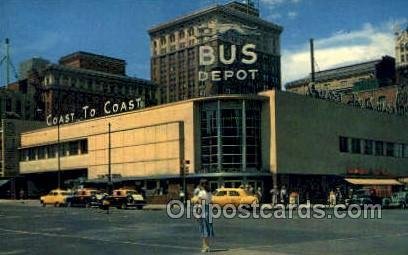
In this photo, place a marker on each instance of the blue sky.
(346, 31)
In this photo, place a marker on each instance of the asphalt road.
(37, 230)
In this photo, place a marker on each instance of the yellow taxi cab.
(56, 197)
(234, 196)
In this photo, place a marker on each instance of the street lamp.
(184, 171)
(110, 184)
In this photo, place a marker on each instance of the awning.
(359, 181)
(403, 180)
(3, 182)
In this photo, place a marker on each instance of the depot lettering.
(207, 56)
(87, 112)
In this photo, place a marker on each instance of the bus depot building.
(274, 138)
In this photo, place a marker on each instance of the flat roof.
(90, 54)
(214, 8)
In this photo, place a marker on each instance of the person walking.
(283, 195)
(205, 226)
(259, 194)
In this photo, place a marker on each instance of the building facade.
(401, 47)
(376, 73)
(220, 33)
(272, 138)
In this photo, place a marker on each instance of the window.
(83, 146)
(399, 151)
(162, 40)
(234, 193)
(182, 34)
(405, 151)
(355, 145)
(31, 153)
(172, 38)
(73, 148)
(379, 148)
(390, 149)
(41, 152)
(191, 31)
(52, 150)
(368, 147)
(402, 47)
(343, 142)
(18, 107)
(221, 193)
(8, 105)
(402, 58)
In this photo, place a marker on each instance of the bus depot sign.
(88, 112)
(208, 56)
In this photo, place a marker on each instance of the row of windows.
(404, 58)
(172, 37)
(373, 147)
(95, 85)
(51, 151)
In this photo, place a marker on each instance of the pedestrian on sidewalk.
(283, 195)
(274, 193)
(205, 226)
(259, 194)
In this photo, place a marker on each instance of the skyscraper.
(222, 49)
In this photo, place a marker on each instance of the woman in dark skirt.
(205, 226)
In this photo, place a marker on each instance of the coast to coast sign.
(88, 112)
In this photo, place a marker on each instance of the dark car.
(85, 198)
(397, 200)
(126, 198)
(363, 197)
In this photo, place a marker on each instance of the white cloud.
(272, 4)
(292, 14)
(342, 48)
(274, 16)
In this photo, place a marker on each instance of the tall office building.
(223, 49)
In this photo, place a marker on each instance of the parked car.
(56, 197)
(363, 197)
(126, 198)
(397, 199)
(85, 198)
(235, 196)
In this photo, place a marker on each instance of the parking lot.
(30, 229)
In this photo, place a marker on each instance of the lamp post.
(59, 156)
(184, 171)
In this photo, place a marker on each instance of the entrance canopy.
(359, 181)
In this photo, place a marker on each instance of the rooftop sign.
(87, 112)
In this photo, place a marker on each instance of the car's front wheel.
(42, 203)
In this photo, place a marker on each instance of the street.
(31, 229)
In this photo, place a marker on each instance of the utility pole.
(312, 64)
(7, 61)
(109, 160)
(184, 171)
(59, 156)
